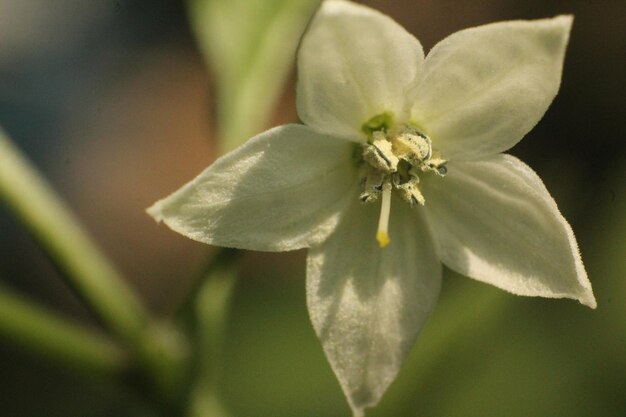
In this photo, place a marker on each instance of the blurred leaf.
(250, 45)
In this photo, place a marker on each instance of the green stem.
(43, 333)
(50, 221)
(156, 347)
(211, 303)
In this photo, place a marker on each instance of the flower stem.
(211, 307)
(31, 199)
(42, 332)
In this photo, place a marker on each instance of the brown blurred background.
(112, 101)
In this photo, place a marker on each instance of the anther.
(380, 155)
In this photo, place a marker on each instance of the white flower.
(402, 150)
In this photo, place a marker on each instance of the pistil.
(382, 236)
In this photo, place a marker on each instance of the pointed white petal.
(282, 190)
(367, 303)
(354, 63)
(495, 221)
(484, 88)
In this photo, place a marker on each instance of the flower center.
(392, 160)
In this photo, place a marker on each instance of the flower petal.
(282, 190)
(368, 304)
(495, 221)
(354, 63)
(484, 88)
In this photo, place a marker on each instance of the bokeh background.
(114, 103)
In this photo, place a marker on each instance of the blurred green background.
(113, 101)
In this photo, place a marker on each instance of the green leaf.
(250, 47)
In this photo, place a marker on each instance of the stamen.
(382, 236)
(394, 158)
